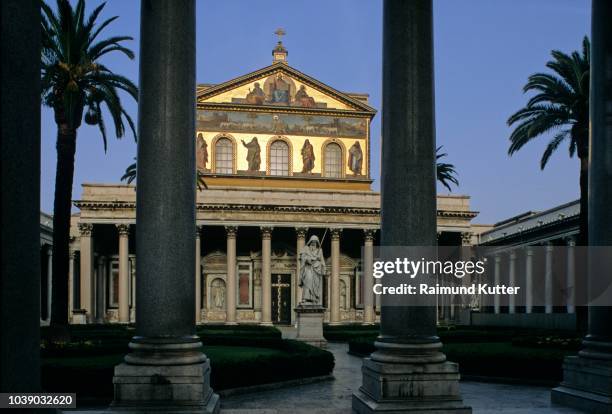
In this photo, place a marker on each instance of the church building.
(284, 157)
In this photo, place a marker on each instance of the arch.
(274, 141)
(228, 158)
(324, 159)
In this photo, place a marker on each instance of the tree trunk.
(583, 238)
(66, 147)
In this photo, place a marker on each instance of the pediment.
(280, 86)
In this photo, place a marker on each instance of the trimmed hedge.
(239, 355)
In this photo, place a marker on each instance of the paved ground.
(335, 396)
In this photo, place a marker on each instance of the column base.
(391, 388)
(164, 388)
(586, 386)
(310, 325)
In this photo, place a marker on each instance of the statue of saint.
(308, 157)
(256, 96)
(201, 152)
(355, 158)
(312, 271)
(253, 154)
(218, 293)
(303, 99)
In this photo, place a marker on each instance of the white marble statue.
(312, 271)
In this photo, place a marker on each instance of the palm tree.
(73, 78)
(445, 173)
(130, 175)
(561, 105)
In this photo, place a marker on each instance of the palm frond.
(445, 172)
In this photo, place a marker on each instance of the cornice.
(226, 106)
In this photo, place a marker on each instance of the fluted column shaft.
(266, 276)
(528, 279)
(86, 260)
(368, 279)
(334, 303)
(124, 273)
(548, 279)
(100, 279)
(512, 280)
(230, 301)
(71, 285)
(49, 281)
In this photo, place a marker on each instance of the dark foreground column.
(20, 147)
(408, 372)
(166, 369)
(587, 378)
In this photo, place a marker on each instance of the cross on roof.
(280, 32)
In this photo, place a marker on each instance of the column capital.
(466, 238)
(512, 254)
(497, 258)
(369, 234)
(101, 259)
(266, 231)
(570, 240)
(71, 254)
(529, 250)
(335, 233)
(301, 232)
(231, 231)
(49, 249)
(85, 229)
(198, 231)
(123, 229)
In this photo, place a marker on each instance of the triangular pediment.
(280, 86)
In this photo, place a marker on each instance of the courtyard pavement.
(334, 396)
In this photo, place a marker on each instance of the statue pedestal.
(310, 325)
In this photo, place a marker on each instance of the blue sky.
(484, 52)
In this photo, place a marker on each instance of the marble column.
(512, 280)
(230, 283)
(528, 279)
(587, 378)
(497, 281)
(124, 273)
(20, 273)
(49, 281)
(408, 371)
(100, 289)
(570, 286)
(198, 275)
(86, 260)
(548, 278)
(300, 233)
(71, 284)
(368, 279)
(334, 303)
(266, 276)
(166, 370)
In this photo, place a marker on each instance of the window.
(224, 156)
(279, 158)
(333, 160)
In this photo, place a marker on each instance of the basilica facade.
(283, 157)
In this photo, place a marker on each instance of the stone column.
(496, 281)
(334, 294)
(571, 274)
(20, 182)
(166, 369)
(548, 279)
(230, 284)
(587, 379)
(368, 280)
(300, 233)
(266, 276)
(124, 273)
(198, 276)
(100, 289)
(49, 281)
(528, 279)
(512, 280)
(86, 269)
(408, 371)
(71, 285)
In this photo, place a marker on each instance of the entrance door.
(281, 298)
